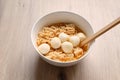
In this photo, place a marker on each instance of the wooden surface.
(20, 61)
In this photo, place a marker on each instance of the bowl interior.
(56, 17)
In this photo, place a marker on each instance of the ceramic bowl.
(66, 17)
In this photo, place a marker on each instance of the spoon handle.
(100, 32)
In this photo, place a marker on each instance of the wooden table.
(20, 61)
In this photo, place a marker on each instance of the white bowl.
(56, 17)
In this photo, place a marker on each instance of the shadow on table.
(45, 71)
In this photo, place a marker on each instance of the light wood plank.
(20, 61)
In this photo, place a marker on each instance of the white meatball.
(81, 36)
(55, 42)
(75, 40)
(63, 37)
(44, 48)
(67, 47)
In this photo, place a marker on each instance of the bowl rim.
(68, 62)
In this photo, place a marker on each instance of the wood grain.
(20, 61)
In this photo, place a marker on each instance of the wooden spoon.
(100, 32)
